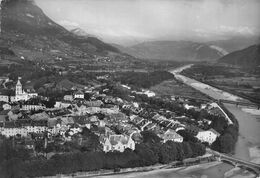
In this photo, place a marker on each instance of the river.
(248, 140)
(249, 125)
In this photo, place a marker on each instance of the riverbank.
(165, 172)
(249, 131)
(206, 159)
(243, 86)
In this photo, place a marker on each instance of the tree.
(188, 137)
(146, 155)
(187, 150)
(227, 143)
(168, 152)
(150, 137)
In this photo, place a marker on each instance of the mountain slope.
(174, 50)
(26, 27)
(249, 57)
(236, 43)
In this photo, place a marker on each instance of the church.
(20, 94)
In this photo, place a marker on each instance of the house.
(53, 130)
(7, 106)
(10, 129)
(97, 103)
(40, 116)
(60, 104)
(90, 110)
(68, 98)
(143, 124)
(4, 115)
(118, 118)
(112, 110)
(14, 114)
(208, 136)
(29, 107)
(118, 143)
(4, 98)
(171, 135)
(79, 95)
(74, 130)
(186, 106)
(151, 126)
(37, 126)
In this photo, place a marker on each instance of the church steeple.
(18, 88)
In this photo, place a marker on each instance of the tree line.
(17, 162)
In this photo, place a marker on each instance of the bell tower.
(18, 88)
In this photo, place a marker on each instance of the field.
(232, 79)
(175, 88)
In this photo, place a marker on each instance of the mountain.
(29, 33)
(236, 43)
(174, 50)
(248, 57)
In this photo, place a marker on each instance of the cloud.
(243, 30)
(157, 19)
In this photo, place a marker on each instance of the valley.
(181, 101)
(243, 82)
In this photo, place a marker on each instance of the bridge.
(239, 103)
(250, 166)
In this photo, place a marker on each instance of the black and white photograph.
(129, 88)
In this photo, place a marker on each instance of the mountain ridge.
(24, 26)
(248, 57)
(173, 50)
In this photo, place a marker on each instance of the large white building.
(118, 143)
(208, 136)
(171, 135)
(20, 94)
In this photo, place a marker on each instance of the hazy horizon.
(130, 21)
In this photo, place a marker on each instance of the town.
(116, 123)
(129, 89)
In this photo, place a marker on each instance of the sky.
(133, 21)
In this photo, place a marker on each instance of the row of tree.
(143, 79)
(17, 162)
(226, 142)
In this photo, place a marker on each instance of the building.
(208, 136)
(68, 98)
(118, 143)
(79, 95)
(29, 107)
(60, 104)
(4, 115)
(96, 103)
(10, 129)
(7, 106)
(171, 135)
(4, 98)
(37, 127)
(20, 94)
